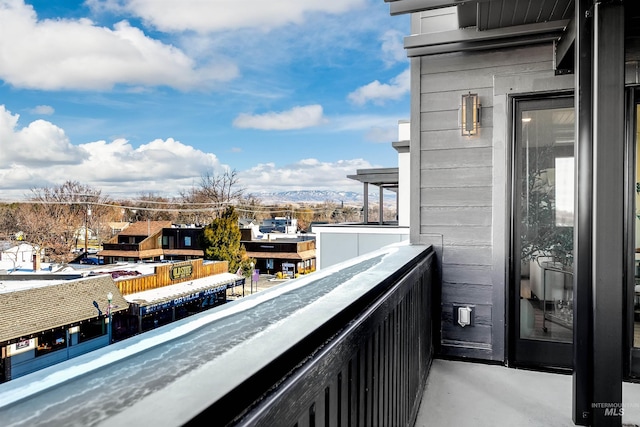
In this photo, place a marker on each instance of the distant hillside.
(321, 196)
(310, 196)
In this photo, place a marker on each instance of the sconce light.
(470, 114)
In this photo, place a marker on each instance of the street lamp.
(251, 264)
(86, 226)
(109, 298)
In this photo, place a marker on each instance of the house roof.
(119, 225)
(30, 311)
(145, 228)
(132, 254)
(165, 293)
(190, 252)
(17, 247)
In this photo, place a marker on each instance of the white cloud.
(377, 92)
(77, 54)
(40, 144)
(223, 15)
(41, 155)
(364, 122)
(45, 110)
(296, 118)
(384, 135)
(303, 175)
(393, 47)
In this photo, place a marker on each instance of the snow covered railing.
(351, 342)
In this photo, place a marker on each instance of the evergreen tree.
(222, 241)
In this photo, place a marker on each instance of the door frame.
(546, 355)
(631, 361)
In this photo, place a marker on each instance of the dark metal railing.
(372, 371)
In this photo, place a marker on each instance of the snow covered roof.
(180, 289)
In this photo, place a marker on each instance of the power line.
(185, 206)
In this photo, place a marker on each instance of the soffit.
(503, 17)
(381, 177)
(492, 14)
(484, 24)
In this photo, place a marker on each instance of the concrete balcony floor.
(475, 394)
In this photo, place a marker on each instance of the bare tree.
(8, 221)
(153, 207)
(252, 208)
(215, 192)
(304, 217)
(54, 215)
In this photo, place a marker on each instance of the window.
(92, 329)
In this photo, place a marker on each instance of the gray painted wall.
(461, 202)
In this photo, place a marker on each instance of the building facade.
(153, 241)
(524, 171)
(47, 321)
(48, 318)
(288, 255)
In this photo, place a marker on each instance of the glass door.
(542, 237)
(633, 222)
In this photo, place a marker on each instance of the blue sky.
(144, 96)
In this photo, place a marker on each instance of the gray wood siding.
(458, 179)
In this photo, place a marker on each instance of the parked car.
(92, 261)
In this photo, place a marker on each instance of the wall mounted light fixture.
(470, 114)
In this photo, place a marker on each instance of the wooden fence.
(170, 274)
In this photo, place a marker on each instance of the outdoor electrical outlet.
(464, 315)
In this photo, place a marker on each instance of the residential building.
(153, 241)
(279, 225)
(19, 254)
(48, 318)
(285, 254)
(161, 293)
(45, 321)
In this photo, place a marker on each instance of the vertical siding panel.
(386, 362)
(362, 385)
(319, 411)
(343, 397)
(375, 376)
(405, 360)
(368, 386)
(329, 405)
(394, 368)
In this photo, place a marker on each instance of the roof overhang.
(491, 24)
(300, 256)
(381, 177)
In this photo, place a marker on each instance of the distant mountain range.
(321, 196)
(310, 196)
